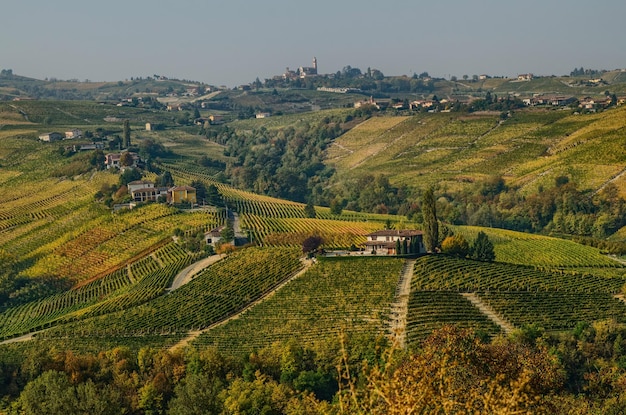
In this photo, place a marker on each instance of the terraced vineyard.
(280, 222)
(555, 300)
(431, 310)
(555, 310)
(135, 284)
(540, 251)
(216, 293)
(336, 295)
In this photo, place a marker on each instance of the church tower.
(315, 64)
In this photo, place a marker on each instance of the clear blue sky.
(232, 42)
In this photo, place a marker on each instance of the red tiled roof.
(394, 232)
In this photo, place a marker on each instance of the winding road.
(188, 273)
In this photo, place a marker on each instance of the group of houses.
(146, 191)
(56, 136)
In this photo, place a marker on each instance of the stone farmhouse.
(145, 191)
(181, 194)
(383, 242)
(113, 160)
(49, 137)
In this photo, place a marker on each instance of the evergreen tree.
(431, 227)
(126, 134)
(200, 190)
(398, 247)
(483, 248)
(166, 179)
(309, 210)
(228, 233)
(213, 196)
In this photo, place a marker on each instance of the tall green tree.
(228, 233)
(200, 190)
(482, 250)
(126, 134)
(431, 227)
(213, 196)
(309, 210)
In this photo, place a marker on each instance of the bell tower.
(315, 63)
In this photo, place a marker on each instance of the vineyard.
(521, 294)
(335, 296)
(529, 149)
(214, 294)
(278, 222)
(540, 251)
(431, 310)
(135, 284)
(119, 265)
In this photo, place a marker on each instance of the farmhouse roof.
(215, 231)
(396, 232)
(140, 182)
(179, 188)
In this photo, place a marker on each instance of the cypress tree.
(126, 133)
(431, 227)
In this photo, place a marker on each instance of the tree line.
(452, 371)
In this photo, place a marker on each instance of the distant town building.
(525, 77)
(216, 119)
(302, 72)
(49, 137)
(73, 134)
(263, 114)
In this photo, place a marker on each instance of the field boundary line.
(489, 312)
(400, 306)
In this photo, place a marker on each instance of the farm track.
(489, 312)
(192, 335)
(400, 306)
(188, 273)
(611, 180)
(374, 154)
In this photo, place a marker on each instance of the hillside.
(79, 278)
(528, 149)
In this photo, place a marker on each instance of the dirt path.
(181, 279)
(400, 306)
(488, 311)
(192, 335)
(611, 180)
(23, 338)
(385, 147)
(618, 259)
(188, 273)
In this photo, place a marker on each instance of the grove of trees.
(452, 371)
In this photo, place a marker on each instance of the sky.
(232, 42)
